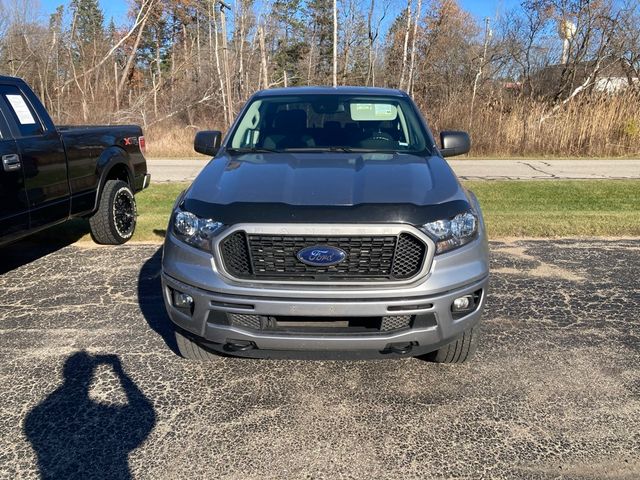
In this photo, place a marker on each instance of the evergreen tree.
(88, 22)
(320, 13)
(289, 43)
(155, 43)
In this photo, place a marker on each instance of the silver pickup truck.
(327, 225)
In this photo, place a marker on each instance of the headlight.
(194, 230)
(453, 233)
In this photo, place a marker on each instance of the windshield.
(330, 122)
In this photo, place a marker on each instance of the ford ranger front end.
(327, 225)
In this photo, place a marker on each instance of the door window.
(22, 113)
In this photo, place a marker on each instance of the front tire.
(459, 351)
(115, 220)
(190, 349)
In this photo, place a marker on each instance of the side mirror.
(207, 142)
(454, 143)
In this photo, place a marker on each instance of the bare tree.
(481, 64)
(335, 43)
(413, 46)
(263, 58)
(406, 45)
(191, 62)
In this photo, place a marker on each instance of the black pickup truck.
(50, 174)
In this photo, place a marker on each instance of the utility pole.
(335, 43)
(225, 58)
(223, 90)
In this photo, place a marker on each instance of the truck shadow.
(151, 301)
(76, 437)
(41, 244)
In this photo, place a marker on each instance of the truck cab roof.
(346, 90)
(9, 79)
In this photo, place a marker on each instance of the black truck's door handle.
(11, 162)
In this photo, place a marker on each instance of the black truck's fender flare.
(110, 159)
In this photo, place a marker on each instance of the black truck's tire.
(115, 220)
(459, 351)
(190, 350)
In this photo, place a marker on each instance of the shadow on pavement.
(76, 437)
(151, 301)
(36, 246)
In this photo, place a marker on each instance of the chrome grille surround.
(301, 229)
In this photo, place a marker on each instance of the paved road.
(91, 388)
(469, 169)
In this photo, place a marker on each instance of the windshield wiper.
(341, 149)
(346, 149)
(253, 150)
(320, 149)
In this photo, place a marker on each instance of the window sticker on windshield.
(20, 108)
(373, 111)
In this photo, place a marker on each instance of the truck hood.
(325, 187)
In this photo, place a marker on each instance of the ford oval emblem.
(321, 256)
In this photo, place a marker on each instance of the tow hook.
(399, 348)
(239, 346)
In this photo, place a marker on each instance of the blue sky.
(118, 8)
(489, 8)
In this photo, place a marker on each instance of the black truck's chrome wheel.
(115, 220)
(124, 212)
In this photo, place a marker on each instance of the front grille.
(243, 320)
(357, 325)
(374, 257)
(409, 256)
(236, 254)
(395, 322)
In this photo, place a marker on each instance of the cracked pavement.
(588, 169)
(92, 389)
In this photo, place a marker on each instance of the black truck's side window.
(23, 114)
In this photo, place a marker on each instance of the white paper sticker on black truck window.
(22, 110)
(373, 111)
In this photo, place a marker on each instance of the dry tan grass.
(594, 126)
(170, 140)
(599, 126)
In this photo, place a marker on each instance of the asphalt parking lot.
(92, 389)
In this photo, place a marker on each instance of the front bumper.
(422, 340)
(188, 270)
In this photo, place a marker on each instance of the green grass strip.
(560, 208)
(540, 208)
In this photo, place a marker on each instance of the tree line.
(177, 63)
